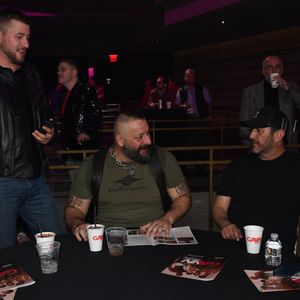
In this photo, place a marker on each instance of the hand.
(82, 137)
(231, 232)
(43, 138)
(157, 228)
(282, 83)
(80, 231)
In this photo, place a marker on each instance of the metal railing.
(210, 162)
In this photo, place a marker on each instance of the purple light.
(35, 13)
(91, 72)
(196, 8)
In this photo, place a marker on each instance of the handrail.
(211, 162)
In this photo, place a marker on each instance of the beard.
(12, 56)
(135, 155)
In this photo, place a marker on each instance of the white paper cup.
(46, 236)
(95, 237)
(253, 237)
(274, 82)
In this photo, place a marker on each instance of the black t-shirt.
(271, 95)
(265, 193)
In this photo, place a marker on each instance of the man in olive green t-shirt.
(129, 195)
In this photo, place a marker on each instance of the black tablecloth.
(137, 274)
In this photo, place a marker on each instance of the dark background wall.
(227, 68)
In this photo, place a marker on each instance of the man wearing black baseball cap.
(262, 186)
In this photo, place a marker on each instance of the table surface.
(137, 274)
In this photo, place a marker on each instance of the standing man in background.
(194, 98)
(80, 109)
(23, 110)
(286, 97)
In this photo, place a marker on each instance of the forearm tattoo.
(182, 190)
(74, 201)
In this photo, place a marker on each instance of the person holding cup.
(262, 187)
(273, 91)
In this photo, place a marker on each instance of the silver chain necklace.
(130, 169)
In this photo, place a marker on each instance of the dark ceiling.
(89, 26)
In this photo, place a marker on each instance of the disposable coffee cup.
(116, 237)
(49, 256)
(169, 104)
(43, 237)
(274, 82)
(253, 237)
(95, 237)
(160, 104)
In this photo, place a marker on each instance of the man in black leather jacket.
(80, 109)
(23, 190)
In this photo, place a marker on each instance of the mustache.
(144, 147)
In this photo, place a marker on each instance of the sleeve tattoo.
(182, 190)
(74, 201)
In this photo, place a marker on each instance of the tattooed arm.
(75, 212)
(181, 202)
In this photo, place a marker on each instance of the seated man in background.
(262, 187)
(159, 96)
(141, 186)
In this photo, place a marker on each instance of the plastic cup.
(47, 236)
(169, 104)
(116, 237)
(274, 82)
(95, 237)
(49, 254)
(253, 237)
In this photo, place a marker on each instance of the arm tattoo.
(74, 201)
(182, 190)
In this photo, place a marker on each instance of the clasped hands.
(155, 228)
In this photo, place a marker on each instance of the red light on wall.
(113, 58)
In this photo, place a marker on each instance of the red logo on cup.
(97, 237)
(254, 240)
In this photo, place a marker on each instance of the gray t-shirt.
(124, 200)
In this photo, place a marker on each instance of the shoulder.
(293, 159)
(253, 87)
(164, 155)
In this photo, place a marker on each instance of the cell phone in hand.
(49, 123)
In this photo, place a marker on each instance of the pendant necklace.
(130, 169)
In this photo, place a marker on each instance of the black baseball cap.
(267, 117)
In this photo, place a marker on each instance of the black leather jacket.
(14, 136)
(82, 115)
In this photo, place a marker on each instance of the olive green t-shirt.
(125, 200)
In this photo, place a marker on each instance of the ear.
(1, 35)
(279, 135)
(119, 140)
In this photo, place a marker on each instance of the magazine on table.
(178, 236)
(12, 277)
(266, 281)
(8, 295)
(198, 267)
